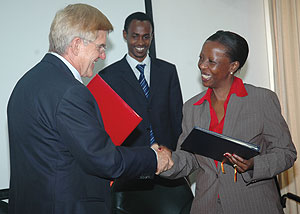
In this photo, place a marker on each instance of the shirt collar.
(133, 62)
(237, 88)
(70, 66)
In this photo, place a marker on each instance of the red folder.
(118, 117)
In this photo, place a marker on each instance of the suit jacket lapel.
(203, 118)
(154, 78)
(128, 75)
(233, 111)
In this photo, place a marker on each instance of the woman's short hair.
(237, 46)
(76, 20)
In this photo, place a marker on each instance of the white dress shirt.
(133, 63)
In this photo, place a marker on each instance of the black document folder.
(213, 145)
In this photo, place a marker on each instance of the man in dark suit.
(160, 106)
(62, 159)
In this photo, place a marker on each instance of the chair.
(289, 196)
(148, 197)
(285, 196)
(4, 193)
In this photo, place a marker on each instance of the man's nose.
(102, 55)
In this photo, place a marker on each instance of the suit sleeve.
(278, 152)
(81, 129)
(184, 162)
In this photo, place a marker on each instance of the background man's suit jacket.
(61, 156)
(257, 119)
(163, 109)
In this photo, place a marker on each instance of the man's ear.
(125, 35)
(75, 45)
(234, 66)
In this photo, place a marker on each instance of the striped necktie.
(145, 88)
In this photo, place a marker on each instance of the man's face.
(138, 39)
(90, 53)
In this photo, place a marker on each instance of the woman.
(241, 111)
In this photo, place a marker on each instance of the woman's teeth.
(206, 76)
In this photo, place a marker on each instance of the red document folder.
(118, 117)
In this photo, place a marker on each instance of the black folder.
(213, 145)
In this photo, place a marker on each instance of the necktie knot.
(141, 68)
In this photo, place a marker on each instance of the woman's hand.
(242, 165)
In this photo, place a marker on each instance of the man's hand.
(164, 160)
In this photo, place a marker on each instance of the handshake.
(164, 160)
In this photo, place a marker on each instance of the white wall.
(24, 41)
(182, 26)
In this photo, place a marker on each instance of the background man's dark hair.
(137, 16)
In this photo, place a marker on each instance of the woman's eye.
(211, 61)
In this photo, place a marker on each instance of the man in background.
(151, 87)
(61, 158)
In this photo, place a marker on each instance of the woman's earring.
(231, 73)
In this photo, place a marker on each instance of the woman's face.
(215, 65)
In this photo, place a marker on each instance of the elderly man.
(62, 159)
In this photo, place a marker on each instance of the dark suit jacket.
(62, 159)
(163, 109)
(255, 118)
